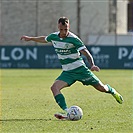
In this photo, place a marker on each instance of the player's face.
(64, 30)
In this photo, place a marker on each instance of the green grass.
(27, 104)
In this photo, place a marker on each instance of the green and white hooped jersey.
(67, 50)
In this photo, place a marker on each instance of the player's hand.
(26, 38)
(95, 68)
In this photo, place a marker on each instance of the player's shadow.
(14, 120)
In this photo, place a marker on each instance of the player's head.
(63, 20)
(63, 26)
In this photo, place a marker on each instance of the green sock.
(111, 90)
(61, 101)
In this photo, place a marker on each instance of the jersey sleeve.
(48, 38)
(79, 44)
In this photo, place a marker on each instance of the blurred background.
(99, 23)
(100, 18)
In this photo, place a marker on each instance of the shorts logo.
(87, 79)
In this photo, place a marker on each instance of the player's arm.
(89, 57)
(40, 39)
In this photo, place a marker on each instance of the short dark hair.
(63, 20)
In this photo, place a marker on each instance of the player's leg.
(56, 90)
(89, 78)
(64, 80)
(59, 98)
(108, 89)
(103, 88)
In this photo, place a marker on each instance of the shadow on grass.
(11, 120)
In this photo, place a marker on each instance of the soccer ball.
(75, 113)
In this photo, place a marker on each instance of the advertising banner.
(114, 57)
(107, 57)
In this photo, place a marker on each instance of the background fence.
(39, 17)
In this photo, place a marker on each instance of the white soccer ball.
(74, 113)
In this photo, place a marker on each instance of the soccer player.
(68, 48)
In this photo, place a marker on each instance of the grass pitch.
(28, 106)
